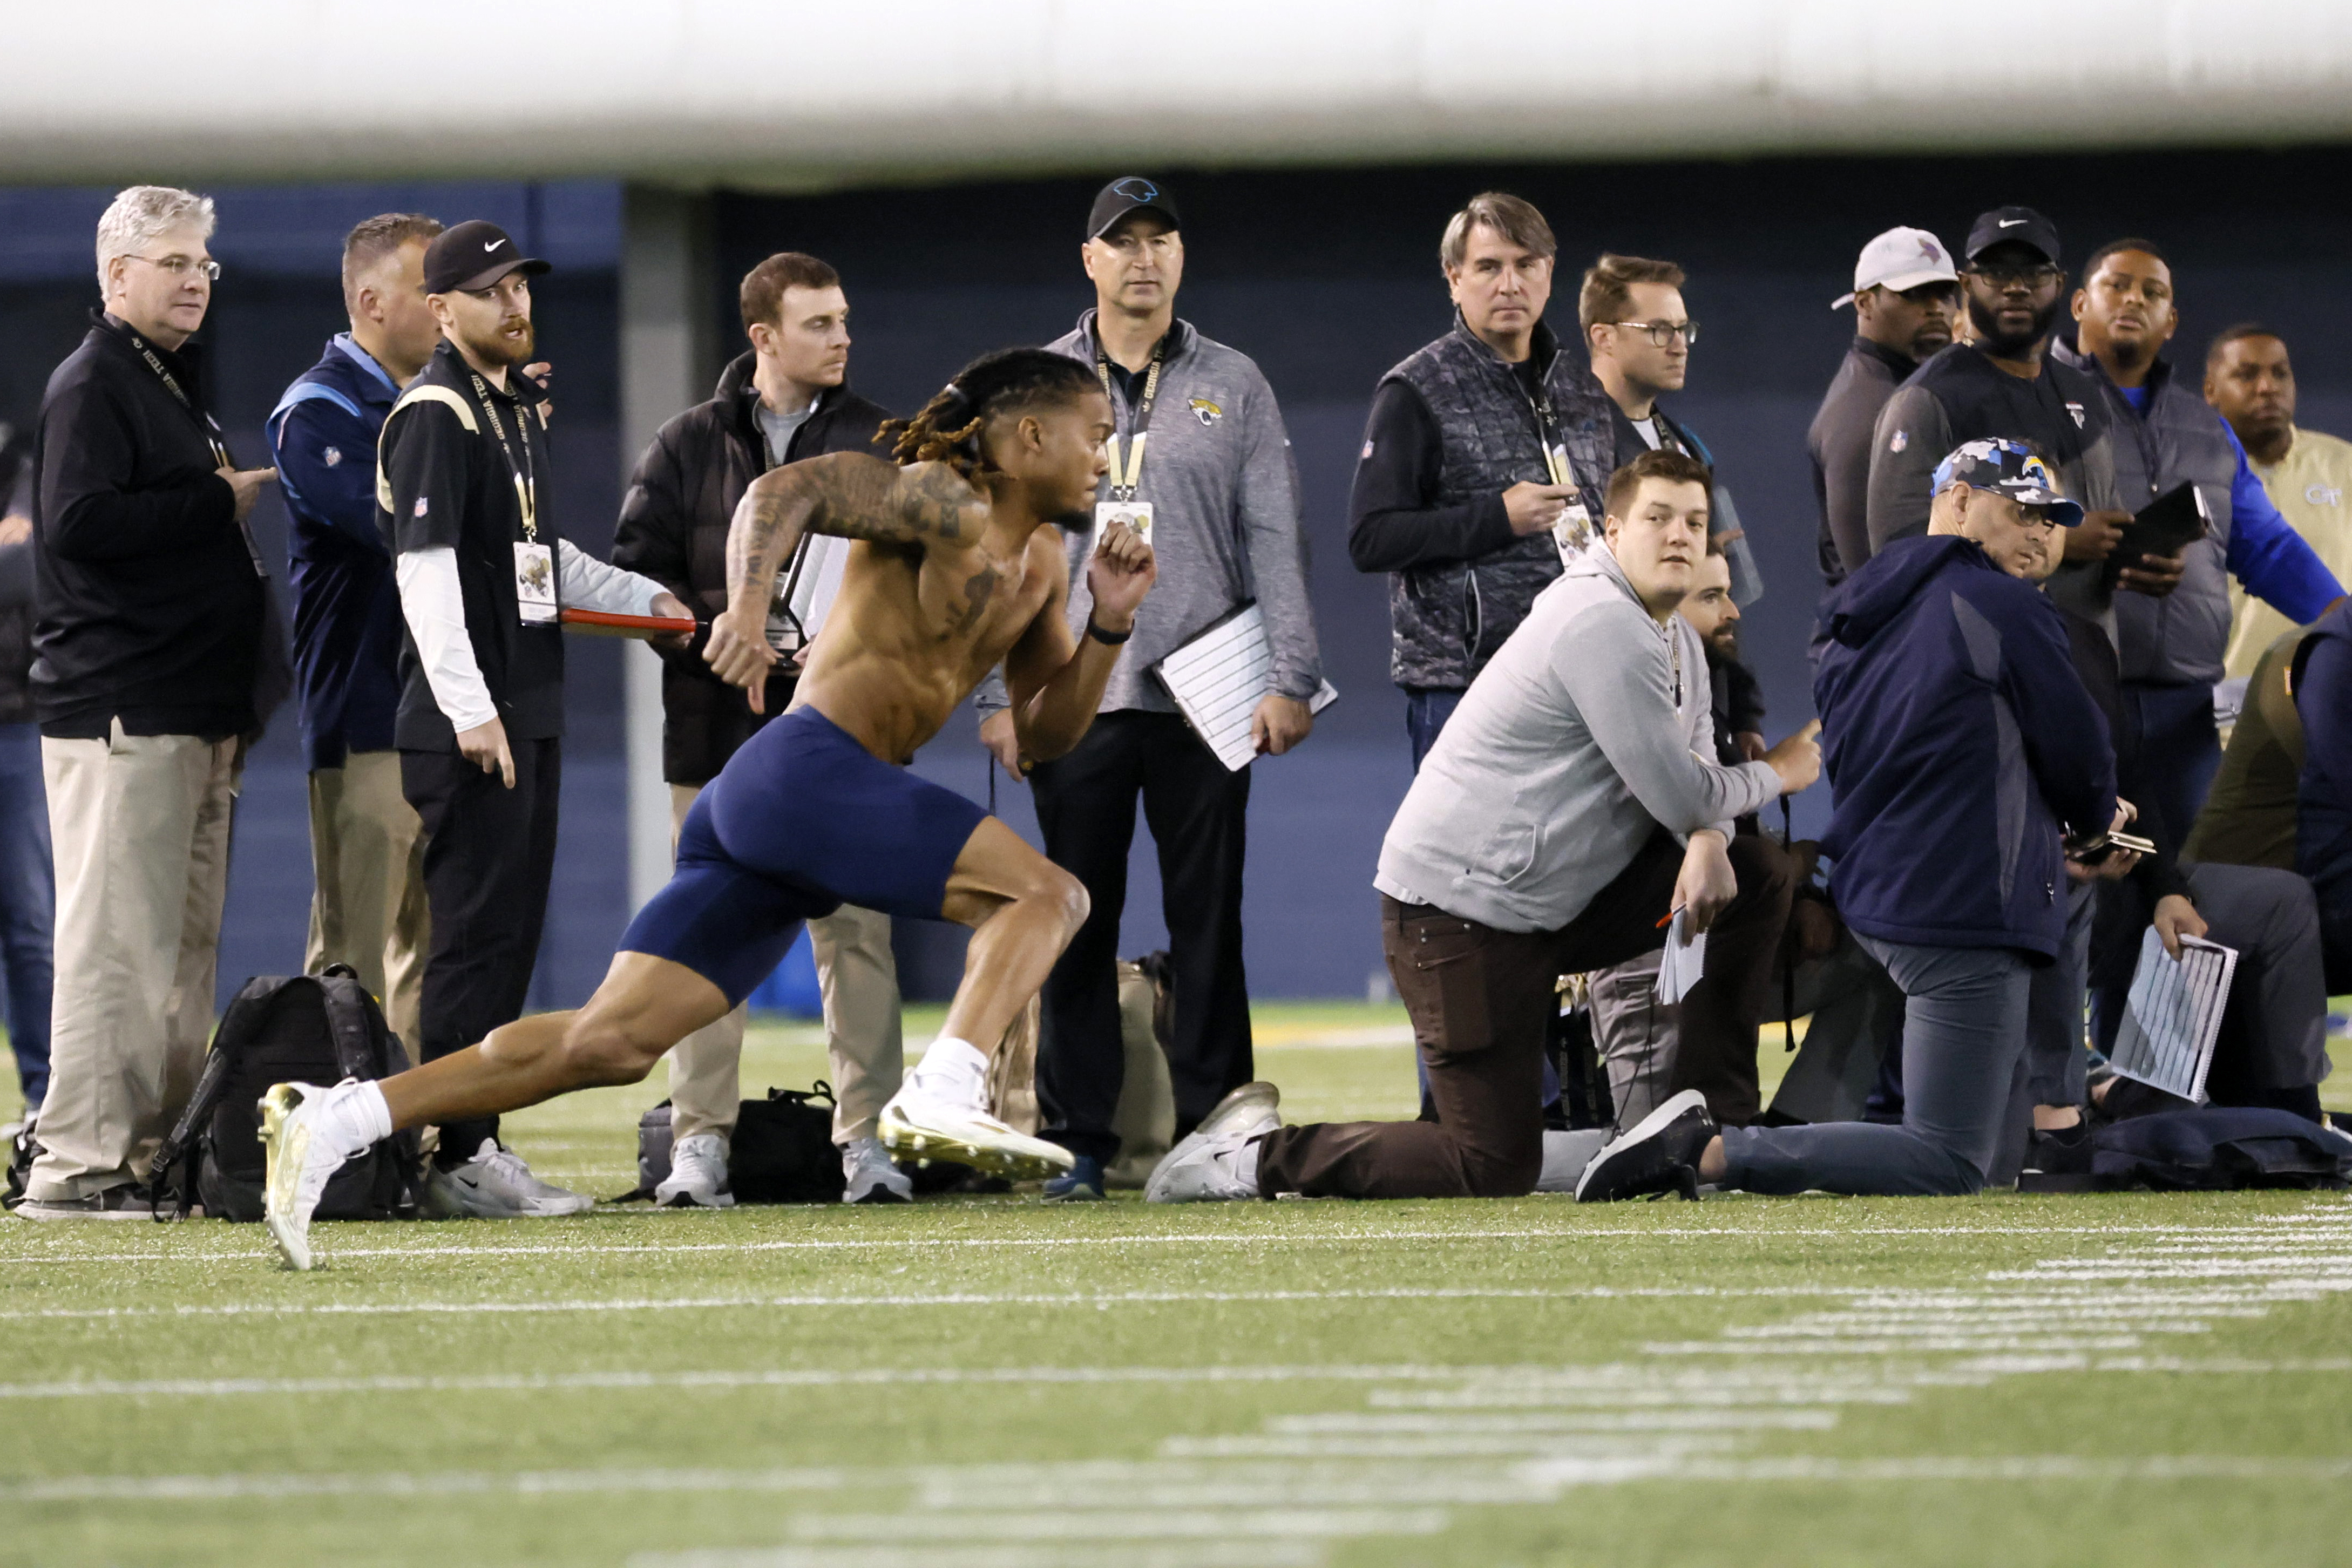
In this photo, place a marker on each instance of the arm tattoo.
(849, 495)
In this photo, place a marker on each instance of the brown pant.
(1480, 1001)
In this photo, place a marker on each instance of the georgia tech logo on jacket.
(1206, 412)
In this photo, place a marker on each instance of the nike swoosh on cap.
(2012, 223)
(495, 243)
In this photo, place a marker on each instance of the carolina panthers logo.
(1135, 190)
(1206, 412)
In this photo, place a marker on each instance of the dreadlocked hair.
(947, 428)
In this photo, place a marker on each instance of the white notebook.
(1682, 962)
(1219, 678)
(2174, 1015)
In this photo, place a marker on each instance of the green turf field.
(970, 1384)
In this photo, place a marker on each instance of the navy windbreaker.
(1957, 739)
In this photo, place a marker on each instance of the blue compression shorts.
(801, 821)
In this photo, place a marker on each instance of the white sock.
(954, 1070)
(362, 1116)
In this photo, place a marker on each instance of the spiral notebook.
(2174, 1015)
(1219, 678)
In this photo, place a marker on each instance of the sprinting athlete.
(953, 571)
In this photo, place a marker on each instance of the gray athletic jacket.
(1223, 489)
(1591, 729)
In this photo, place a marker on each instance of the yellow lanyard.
(525, 482)
(1124, 479)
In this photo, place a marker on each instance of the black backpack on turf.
(308, 1029)
(782, 1151)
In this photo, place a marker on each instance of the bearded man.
(462, 490)
(2002, 386)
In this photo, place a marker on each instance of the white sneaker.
(1217, 1164)
(496, 1184)
(305, 1141)
(869, 1177)
(698, 1175)
(920, 1125)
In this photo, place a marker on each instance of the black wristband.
(1106, 639)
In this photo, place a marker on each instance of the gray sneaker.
(698, 1175)
(867, 1175)
(129, 1201)
(496, 1184)
(1217, 1164)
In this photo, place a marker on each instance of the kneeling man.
(1962, 745)
(1571, 806)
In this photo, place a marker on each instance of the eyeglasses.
(181, 265)
(1661, 333)
(2013, 276)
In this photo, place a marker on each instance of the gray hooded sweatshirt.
(1588, 732)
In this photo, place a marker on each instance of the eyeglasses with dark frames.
(1662, 333)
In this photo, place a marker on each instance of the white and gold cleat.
(299, 1162)
(918, 1127)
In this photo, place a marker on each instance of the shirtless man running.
(953, 571)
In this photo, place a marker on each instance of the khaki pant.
(141, 828)
(860, 980)
(367, 852)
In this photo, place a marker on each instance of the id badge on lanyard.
(1574, 529)
(535, 583)
(1126, 476)
(1135, 514)
(534, 563)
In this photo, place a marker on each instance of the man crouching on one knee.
(1568, 810)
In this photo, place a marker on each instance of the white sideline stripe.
(223, 1387)
(962, 1299)
(31, 1255)
(1798, 1420)
(1568, 1472)
(398, 1483)
(1596, 1446)
(1192, 1555)
(1135, 1524)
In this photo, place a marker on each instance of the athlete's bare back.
(946, 577)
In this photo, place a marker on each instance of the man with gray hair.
(1484, 462)
(152, 639)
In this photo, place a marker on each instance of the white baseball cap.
(1900, 259)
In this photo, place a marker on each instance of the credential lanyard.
(1546, 433)
(1124, 479)
(525, 483)
(212, 437)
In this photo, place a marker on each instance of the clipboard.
(1219, 676)
(606, 623)
(2166, 526)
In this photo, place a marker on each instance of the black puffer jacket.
(674, 529)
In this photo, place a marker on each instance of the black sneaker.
(1658, 1157)
(2061, 1151)
(129, 1201)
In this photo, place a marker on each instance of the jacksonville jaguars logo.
(1206, 412)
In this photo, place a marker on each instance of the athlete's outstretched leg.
(645, 1006)
(1023, 910)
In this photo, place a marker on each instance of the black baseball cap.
(2022, 226)
(474, 255)
(1128, 193)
